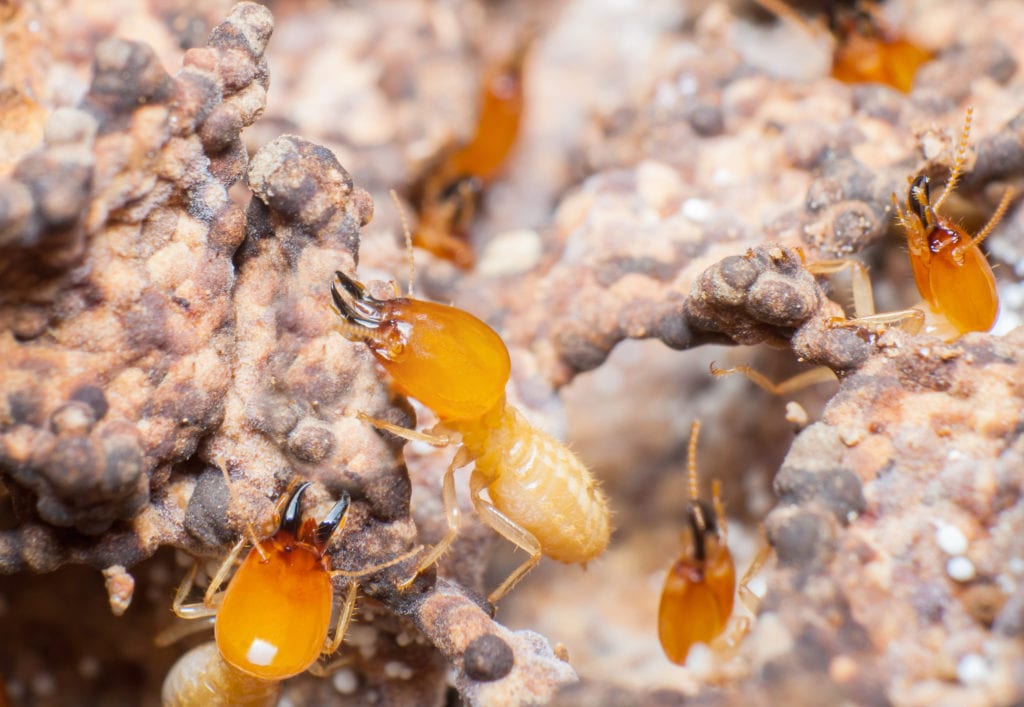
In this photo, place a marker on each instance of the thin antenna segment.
(408, 241)
(691, 469)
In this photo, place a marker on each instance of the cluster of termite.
(273, 620)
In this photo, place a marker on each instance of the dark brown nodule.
(739, 272)
(838, 489)
(801, 538)
(488, 658)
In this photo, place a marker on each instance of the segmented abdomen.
(540, 484)
(201, 678)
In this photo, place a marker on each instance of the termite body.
(950, 270)
(700, 588)
(273, 620)
(542, 497)
(448, 197)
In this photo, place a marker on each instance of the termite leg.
(863, 298)
(910, 320)
(451, 513)
(222, 572)
(190, 611)
(739, 626)
(405, 433)
(208, 606)
(508, 529)
(332, 643)
(321, 670)
(747, 597)
(344, 618)
(180, 629)
(373, 569)
(821, 374)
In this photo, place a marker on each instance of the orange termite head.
(447, 359)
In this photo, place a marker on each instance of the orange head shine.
(444, 357)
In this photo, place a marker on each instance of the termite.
(449, 194)
(273, 620)
(869, 51)
(866, 50)
(698, 596)
(541, 496)
(950, 270)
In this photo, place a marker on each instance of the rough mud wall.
(165, 328)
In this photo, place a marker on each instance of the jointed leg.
(747, 597)
(208, 607)
(452, 515)
(821, 374)
(332, 643)
(344, 619)
(222, 572)
(910, 320)
(508, 529)
(372, 569)
(180, 629)
(739, 626)
(863, 299)
(405, 432)
(190, 611)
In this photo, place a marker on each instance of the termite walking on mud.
(540, 496)
(700, 587)
(273, 620)
(950, 270)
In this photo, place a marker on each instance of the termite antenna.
(1004, 204)
(958, 161)
(408, 241)
(691, 470)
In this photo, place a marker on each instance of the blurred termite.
(273, 620)
(448, 197)
(541, 496)
(867, 49)
(700, 588)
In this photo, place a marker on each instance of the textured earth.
(178, 182)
